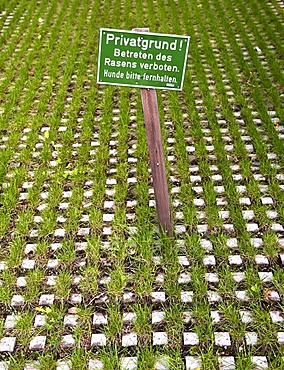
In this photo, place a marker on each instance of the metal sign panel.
(140, 59)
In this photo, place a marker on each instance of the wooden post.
(156, 154)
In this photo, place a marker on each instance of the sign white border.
(142, 33)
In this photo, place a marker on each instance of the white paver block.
(34, 365)
(256, 242)
(4, 365)
(158, 316)
(108, 217)
(252, 227)
(129, 317)
(180, 229)
(224, 214)
(190, 339)
(260, 362)
(95, 364)
(198, 202)
(52, 264)
(67, 341)
(222, 339)
(245, 201)
(277, 227)
(232, 243)
(99, 319)
(59, 233)
(280, 337)
(201, 229)
(229, 227)
(246, 316)
(129, 340)
(21, 282)
(183, 260)
(187, 317)
(276, 316)
(184, 278)
(46, 299)
(261, 260)
(272, 214)
(51, 280)
(11, 321)
(98, 340)
(75, 298)
(235, 260)
(129, 297)
(17, 300)
(213, 297)
(242, 295)
(265, 276)
(28, 264)
(108, 204)
(83, 231)
(40, 320)
(129, 363)
(251, 338)
(267, 200)
(3, 265)
(192, 363)
(37, 343)
(186, 296)
(273, 296)
(215, 316)
(206, 244)
(248, 215)
(7, 344)
(239, 276)
(162, 363)
(64, 365)
(211, 277)
(227, 363)
(158, 296)
(209, 260)
(160, 338)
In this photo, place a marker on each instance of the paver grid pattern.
(85, 279)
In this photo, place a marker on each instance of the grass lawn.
(87, 281)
